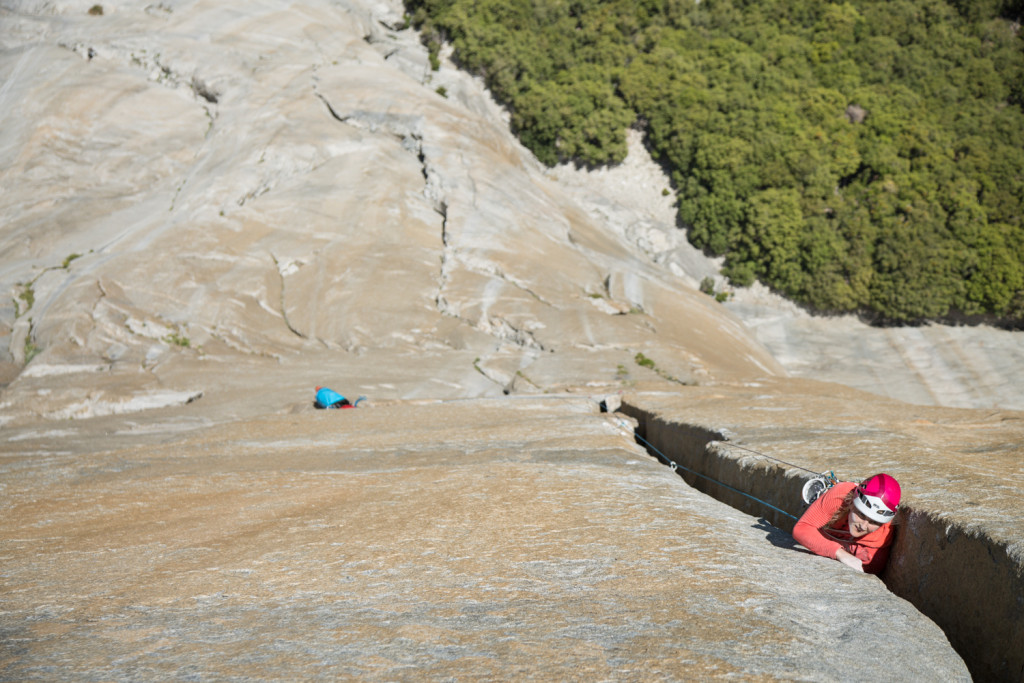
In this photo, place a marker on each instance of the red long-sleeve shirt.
(810, 531)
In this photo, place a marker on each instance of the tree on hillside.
(856, 156)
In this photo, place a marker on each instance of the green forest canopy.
(863, 156)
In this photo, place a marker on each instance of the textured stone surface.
(407, 542)
(313, 201)
(208, 210)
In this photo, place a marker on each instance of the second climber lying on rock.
(327, 398)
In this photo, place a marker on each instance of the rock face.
(208, 211)
(266, 188)
(407, 542)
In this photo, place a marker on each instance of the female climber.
(851, 523)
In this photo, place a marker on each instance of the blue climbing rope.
(675, 467)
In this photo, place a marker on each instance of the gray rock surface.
(243, 196)
(207, 211)
(407, 542)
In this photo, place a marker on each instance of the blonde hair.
(843, 509)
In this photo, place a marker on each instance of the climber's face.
(859, 525)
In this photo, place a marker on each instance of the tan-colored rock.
(208, 211)
(311, 198)
(512, 538)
